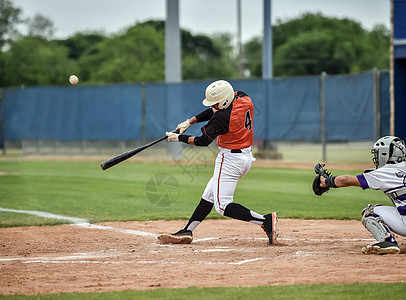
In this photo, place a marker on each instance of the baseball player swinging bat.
(126, 155)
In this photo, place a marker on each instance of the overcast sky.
(198, 16)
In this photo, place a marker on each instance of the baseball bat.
(126, 155)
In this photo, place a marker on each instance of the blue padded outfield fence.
(354, 107)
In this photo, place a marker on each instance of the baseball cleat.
(269, 226)
(384, 247)
(183, 236)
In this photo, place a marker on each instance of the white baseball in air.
(73, 79)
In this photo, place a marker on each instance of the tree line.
(307, 45)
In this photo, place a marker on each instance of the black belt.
(236, 151)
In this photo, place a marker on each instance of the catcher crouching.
(389, 176)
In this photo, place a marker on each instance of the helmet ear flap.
(398, 150)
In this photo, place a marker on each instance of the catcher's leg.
(376, 225)
(392, 217)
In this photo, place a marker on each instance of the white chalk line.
(74, 256)
(313, 253)
(78, 222)
(137, 262)
(206, 239)
(46, 215)
(84, 258)
(246, 261)
(126, 231)
(73, 262)
(325, 240)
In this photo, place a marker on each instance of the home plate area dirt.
(122, 256)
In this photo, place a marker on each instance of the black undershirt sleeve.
(204, 115)
(218, 125)
(201, 141)
(184, 138)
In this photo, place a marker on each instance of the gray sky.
(198, 16)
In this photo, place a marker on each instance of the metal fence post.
(377, 103)
(144, 112)
(2, 129)
(323, 114)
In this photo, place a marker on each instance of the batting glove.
(182, 127)
(172, 136)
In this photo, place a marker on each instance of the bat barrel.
(126, 155)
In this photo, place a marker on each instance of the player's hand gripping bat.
(126, 155)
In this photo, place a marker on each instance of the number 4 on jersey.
(248, 120)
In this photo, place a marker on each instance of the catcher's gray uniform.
(391, 179)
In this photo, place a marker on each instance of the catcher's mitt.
(317, 189)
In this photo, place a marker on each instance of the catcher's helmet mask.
(388, 149)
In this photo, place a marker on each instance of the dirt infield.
(121, 256)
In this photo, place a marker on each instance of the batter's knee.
(220, 205)
(219, 210)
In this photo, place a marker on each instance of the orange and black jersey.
(232, 126)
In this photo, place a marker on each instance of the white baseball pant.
(391, 216)
(229, 168)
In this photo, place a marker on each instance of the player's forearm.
(191, 140)
(188, 139)
(202, 141)
(347, 180)
(342, 181)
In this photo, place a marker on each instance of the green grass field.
(82, 189)
(392, 291)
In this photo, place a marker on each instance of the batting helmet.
(220, 92)
(388, 149)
